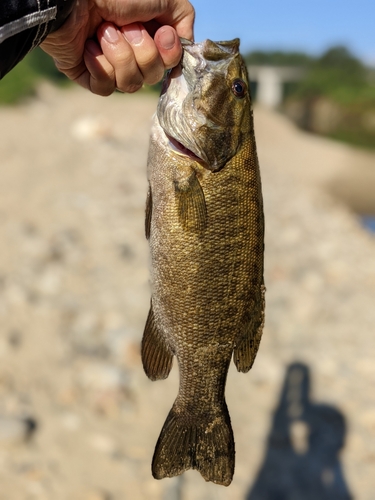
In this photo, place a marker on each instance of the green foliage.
(44, 66)
(337, 74)
(153, 89)
(278, 58)
(21, 82)
(340, 80)
(357, 137)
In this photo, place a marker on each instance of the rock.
(102, 377)
(74, 281)
(71, 421)
(108, 388)
(16, 430)
(124, 346)
(102, 443)
(93, 494)
(91, 127)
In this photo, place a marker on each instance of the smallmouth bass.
(205, 226)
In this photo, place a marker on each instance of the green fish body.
(205, 225)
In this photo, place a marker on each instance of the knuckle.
(105, 92)
(155, 76)
(148, 58)
(171, 63)
(123, 58)
(152, 68)
(103, 87)
(102, 91)
(130, 87)
(119, 55)
(133, 88)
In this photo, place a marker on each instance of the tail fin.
(196, 442)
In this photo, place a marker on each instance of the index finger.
(180, 17)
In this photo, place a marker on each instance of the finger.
(169, 46)
(119, 53)
(100, 76)
(181, 16)
(145, 52)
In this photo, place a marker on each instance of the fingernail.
(167, 38)
(111, 34)
(134, 34)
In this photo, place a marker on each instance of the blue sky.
(307, 25)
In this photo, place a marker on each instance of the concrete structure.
(270, 82)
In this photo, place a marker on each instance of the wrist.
(64, 8)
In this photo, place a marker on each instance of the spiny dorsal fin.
(157, 357)
(192, 210)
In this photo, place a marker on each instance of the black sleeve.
(24, 24)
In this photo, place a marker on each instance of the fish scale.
(204, 222)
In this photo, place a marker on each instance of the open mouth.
(180, 148)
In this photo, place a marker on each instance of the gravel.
(74, 296)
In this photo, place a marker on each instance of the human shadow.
(302, 459)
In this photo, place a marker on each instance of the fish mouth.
(181, 149)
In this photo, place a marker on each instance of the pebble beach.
(78, 417)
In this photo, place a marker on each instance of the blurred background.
(78, 418)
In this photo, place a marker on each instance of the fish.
(205, 227)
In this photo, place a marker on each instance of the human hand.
(109, 44)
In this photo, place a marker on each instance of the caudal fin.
(189, 442)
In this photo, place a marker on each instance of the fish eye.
(239, 88)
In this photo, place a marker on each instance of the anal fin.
(157, 356)
(247, 344)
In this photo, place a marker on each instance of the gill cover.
(204, 101)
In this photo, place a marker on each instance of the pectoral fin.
(148, 213)
(192, 208)
(248, 341)
(157, 357)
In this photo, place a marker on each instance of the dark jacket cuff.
(24, 24)
(64, 8)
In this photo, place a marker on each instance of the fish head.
(205, 106)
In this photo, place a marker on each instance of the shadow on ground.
(302, 459)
